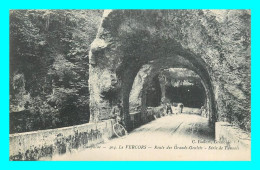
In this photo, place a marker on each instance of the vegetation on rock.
(49, 67)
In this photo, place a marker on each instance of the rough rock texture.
(215, 44)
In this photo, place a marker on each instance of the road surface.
(175, 137)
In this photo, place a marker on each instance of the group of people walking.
(174, 106)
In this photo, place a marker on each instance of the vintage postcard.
(135, 85)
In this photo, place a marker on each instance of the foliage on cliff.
(49, 67)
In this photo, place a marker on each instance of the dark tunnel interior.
(191, 96)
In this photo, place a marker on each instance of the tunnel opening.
(157, 85)
(168, 82)
(184, 86)
(137, 45)
(136, 55)
(191, 96)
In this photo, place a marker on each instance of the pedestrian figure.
(181, 107)
(204, 112)
(168, 109)
(117, 113)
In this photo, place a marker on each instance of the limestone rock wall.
(215, 43)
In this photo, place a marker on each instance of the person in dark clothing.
(181, 107)
(168, 108)
(117, 113)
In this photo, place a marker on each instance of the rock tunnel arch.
(149, 71)
(129, 39)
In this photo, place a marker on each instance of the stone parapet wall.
(139, 118)
(224, 131)
(156, 111)
(47, 143)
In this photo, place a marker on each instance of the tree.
(49, 52)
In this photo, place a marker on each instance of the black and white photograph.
(130, 85)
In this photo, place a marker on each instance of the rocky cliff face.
(49, 67)
(215, 44)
